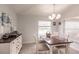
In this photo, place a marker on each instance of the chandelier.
(54, 15)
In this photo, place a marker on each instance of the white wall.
(11, 14)
(28, 25)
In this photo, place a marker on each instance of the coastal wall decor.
(5, 22)
(5, 18)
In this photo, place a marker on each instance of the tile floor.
(30, 49)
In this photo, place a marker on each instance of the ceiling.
(37, 9)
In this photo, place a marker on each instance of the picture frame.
(54, 23)
(5, 19)
(59, 23)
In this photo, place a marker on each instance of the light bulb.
(50, 17)
(54, 15)
(58, 16)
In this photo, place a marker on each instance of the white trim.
(28, 42)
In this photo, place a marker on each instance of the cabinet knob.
(16, 47)
(13, 42)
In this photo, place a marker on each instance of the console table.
(11, 45)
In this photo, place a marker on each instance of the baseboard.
(28, 42)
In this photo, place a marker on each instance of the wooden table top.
(56, 40)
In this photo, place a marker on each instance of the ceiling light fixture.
(54, 15)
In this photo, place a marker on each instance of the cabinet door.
(4, 48)
(16, 45)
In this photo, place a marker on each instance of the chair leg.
(62, 51)
(67, 49)
(58, 51)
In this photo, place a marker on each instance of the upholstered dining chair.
(63, 47)
(41, 47)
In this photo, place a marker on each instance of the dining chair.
(41, 47)
(63, 46)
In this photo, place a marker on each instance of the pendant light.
(54, 15)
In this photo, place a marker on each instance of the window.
(43, 27)
(71, 26)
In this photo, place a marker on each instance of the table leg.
(67, 49)
(51, 49)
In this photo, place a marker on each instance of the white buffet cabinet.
(13, 47)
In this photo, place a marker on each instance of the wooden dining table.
(56, 41)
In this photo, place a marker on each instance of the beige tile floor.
(30, 49)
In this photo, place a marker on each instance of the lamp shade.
(51, 18)
(58, 16)
(54, 16)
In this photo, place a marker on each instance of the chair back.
(66, 37)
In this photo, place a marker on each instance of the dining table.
(56, 41)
